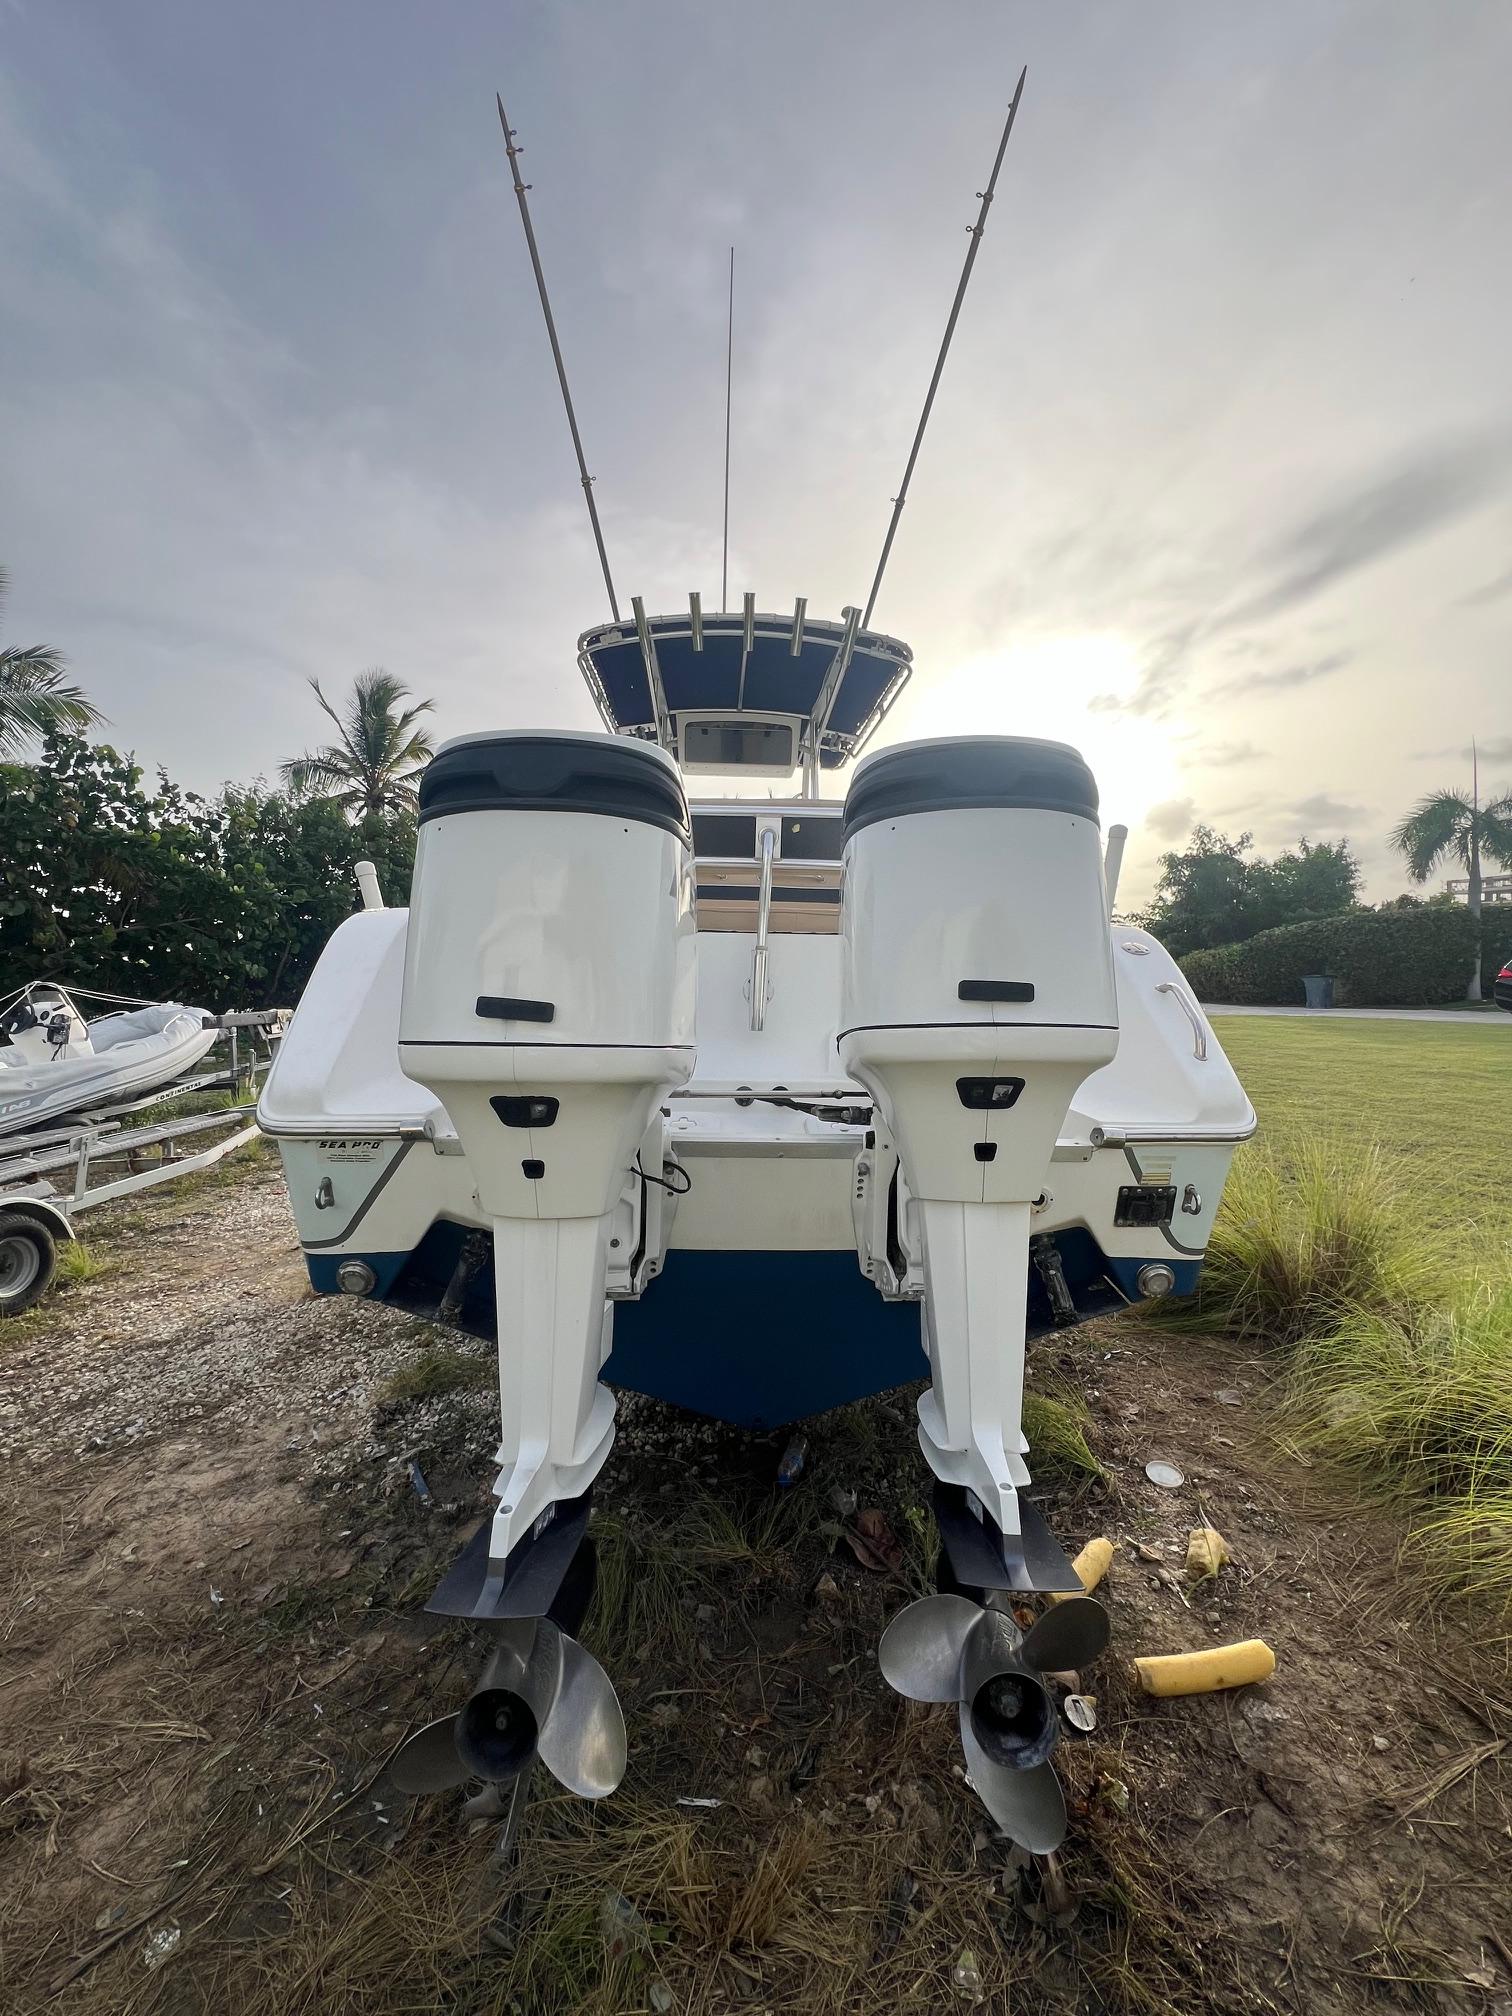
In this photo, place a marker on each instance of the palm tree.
(371, 770)
(1448, 825)
(34, 699)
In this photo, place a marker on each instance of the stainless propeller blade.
(920, 1652)
(947, 1648)
(428, 1760)
(1028, 1806)
(541, 1695)
(1069, 1635)
(583, 1738)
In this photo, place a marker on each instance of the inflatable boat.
(53, 1062)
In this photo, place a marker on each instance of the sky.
(1218, 487)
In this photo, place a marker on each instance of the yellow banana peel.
(1091, 1565)
(1208, 1671)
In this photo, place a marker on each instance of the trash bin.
(1320, 989)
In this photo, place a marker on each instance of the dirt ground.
(212, 1636)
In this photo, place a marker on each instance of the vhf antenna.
(724, 572)
(520, 187)
(934, 384)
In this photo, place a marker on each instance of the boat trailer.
(48, 1177)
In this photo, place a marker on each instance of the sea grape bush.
(223, 901)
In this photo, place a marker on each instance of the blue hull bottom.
(760, 1339)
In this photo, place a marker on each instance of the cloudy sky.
(1219, 486)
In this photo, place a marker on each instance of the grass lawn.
(1366, 1239)
(1435, 1099)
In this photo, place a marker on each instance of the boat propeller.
(947, 1648)
(541, 1696)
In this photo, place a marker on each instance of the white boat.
(758, 1106)
(55, 1063)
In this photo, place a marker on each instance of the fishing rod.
(972, 249)
(520, 188)
(724, 572)
(858, 620)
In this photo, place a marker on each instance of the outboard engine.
(45, 1027)
(549, 1004)
(976, 995)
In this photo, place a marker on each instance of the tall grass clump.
(1308, 1238)
(655, 1570)
(438, 1369)
(1397, 1366)
(78, 1263)
(1056, 1429)
(1416, 1406)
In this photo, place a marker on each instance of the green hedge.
(108, 883)
(1496, 943)
(1378, 959)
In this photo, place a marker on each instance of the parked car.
(1502, 991)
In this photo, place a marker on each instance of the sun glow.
(1048, 688)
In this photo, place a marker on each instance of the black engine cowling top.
(609, 775)
(971, 773)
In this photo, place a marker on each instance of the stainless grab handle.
(1188, 1008)
(763, 918)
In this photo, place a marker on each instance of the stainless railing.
(763, 918)
(1179, 996)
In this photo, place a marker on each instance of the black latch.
(984, 1151)
(988, 1094)
(507, 1008)
(995, 990)
(526, 1110)
(1145, 1204)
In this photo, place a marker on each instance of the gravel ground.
(202, 1311)
(203, 1315)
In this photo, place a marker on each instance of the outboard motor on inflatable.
(976, 995)
(45, 1027)
(549, 1004)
